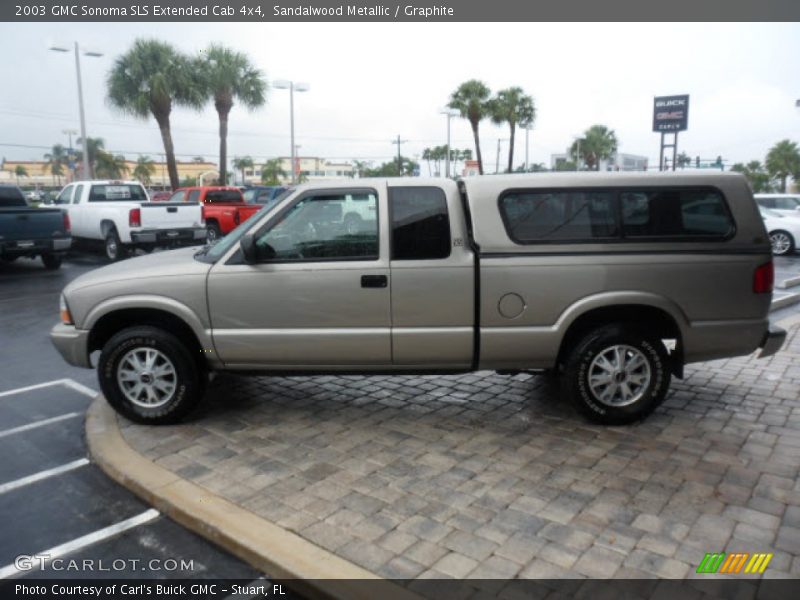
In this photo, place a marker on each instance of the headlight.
(66, 317)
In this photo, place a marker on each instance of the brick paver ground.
(490, 476)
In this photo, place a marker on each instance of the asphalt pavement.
(54, 501)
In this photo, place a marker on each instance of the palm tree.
(240, 163)
(361, 167)
(598, 143)
(56, 159)
(272, 173)
(783, 160)
(759, 179)
(149, 79)
(683, 160)
(471, 101)
(109, 166)
(228, 76)
(20, 171)
(93, 147)
(144, 169)
(512, 106)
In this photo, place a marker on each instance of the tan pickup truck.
(613, 281)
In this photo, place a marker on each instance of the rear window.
(117, 191)
(223, 196)
(675, 214)
(11, 196)
(532, 217)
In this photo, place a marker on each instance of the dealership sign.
(671, 113)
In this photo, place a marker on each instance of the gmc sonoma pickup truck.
(613, 281)
(120, 215)
(31, 232)
(224, 207)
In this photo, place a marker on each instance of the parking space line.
(82, 542)
(79, 387)
(30, 388)
(37, 424)
(23, 481)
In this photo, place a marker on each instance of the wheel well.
(106, 226)
(212, 220)
(658, 322)
(118, 320)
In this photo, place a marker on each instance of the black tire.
(634, 343)
(782, 242)
(189, 380)
(213, 232)
(113, 247)
(353, 224)
(51, 261)
(9, 259)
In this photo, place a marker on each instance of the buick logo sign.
(671, 113)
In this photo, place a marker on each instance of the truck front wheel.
(616, 374)
(149, 376)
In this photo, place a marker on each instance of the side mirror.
(248, 247)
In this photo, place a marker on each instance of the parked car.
(120, 215)
(224, 207)
(263, 194)
(784, 231)
(785, 204)
(160, 196)
(31, 232)
(607, 279)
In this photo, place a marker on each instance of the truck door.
(433, 288)
(318, 295)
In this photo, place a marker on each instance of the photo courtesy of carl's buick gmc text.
(326, 300)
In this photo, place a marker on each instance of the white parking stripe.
(82, 542)
(29, 388)
(79, 387)
(37, 424)
(23, 481)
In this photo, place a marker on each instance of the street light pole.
(283, 84)
(450, 114)
(76, 49)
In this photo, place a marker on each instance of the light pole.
(450, 114)
(527, 145)
(93, 53)
(578, 154)
(69, 133)
(283, 84)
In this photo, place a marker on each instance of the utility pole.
(497, 161)
(399, 142)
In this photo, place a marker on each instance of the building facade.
(309, 168)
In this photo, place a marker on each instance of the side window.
(675, 213)
(66, 195)
(420, 223)
(78, 194)
(178, 196)
(580, 216)
(767, 202)
(315, 229)
(785, 203)
(194, 196)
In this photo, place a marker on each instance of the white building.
(309, 167)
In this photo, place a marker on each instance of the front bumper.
(772, 342)
(72, 344)
(173, 237)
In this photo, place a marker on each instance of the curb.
(271, 549)
(788, 299)
(789, 283)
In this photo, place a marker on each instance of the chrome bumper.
(72, 344)
(772, 342)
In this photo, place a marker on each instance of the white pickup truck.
(120, 214)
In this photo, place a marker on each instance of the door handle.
(374, 281)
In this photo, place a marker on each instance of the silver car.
(613, 281)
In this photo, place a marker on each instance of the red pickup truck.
(223, 207)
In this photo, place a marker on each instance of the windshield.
(214, 252)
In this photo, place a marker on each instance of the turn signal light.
(764, 278)
(63, 309)
(135, 217)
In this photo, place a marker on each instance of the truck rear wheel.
(213, 232)
(149, 376)
(51, 261)
(616, 374)
(114, 249)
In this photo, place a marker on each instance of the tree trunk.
(511, 148)
(477, 146)
(169, 150)
(783, 184)
(223, 106)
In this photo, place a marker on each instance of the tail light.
(202, 213)
(67, 224)
(764, 278)
(135, 217)
(236, 217)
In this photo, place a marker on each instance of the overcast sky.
(372, 81)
